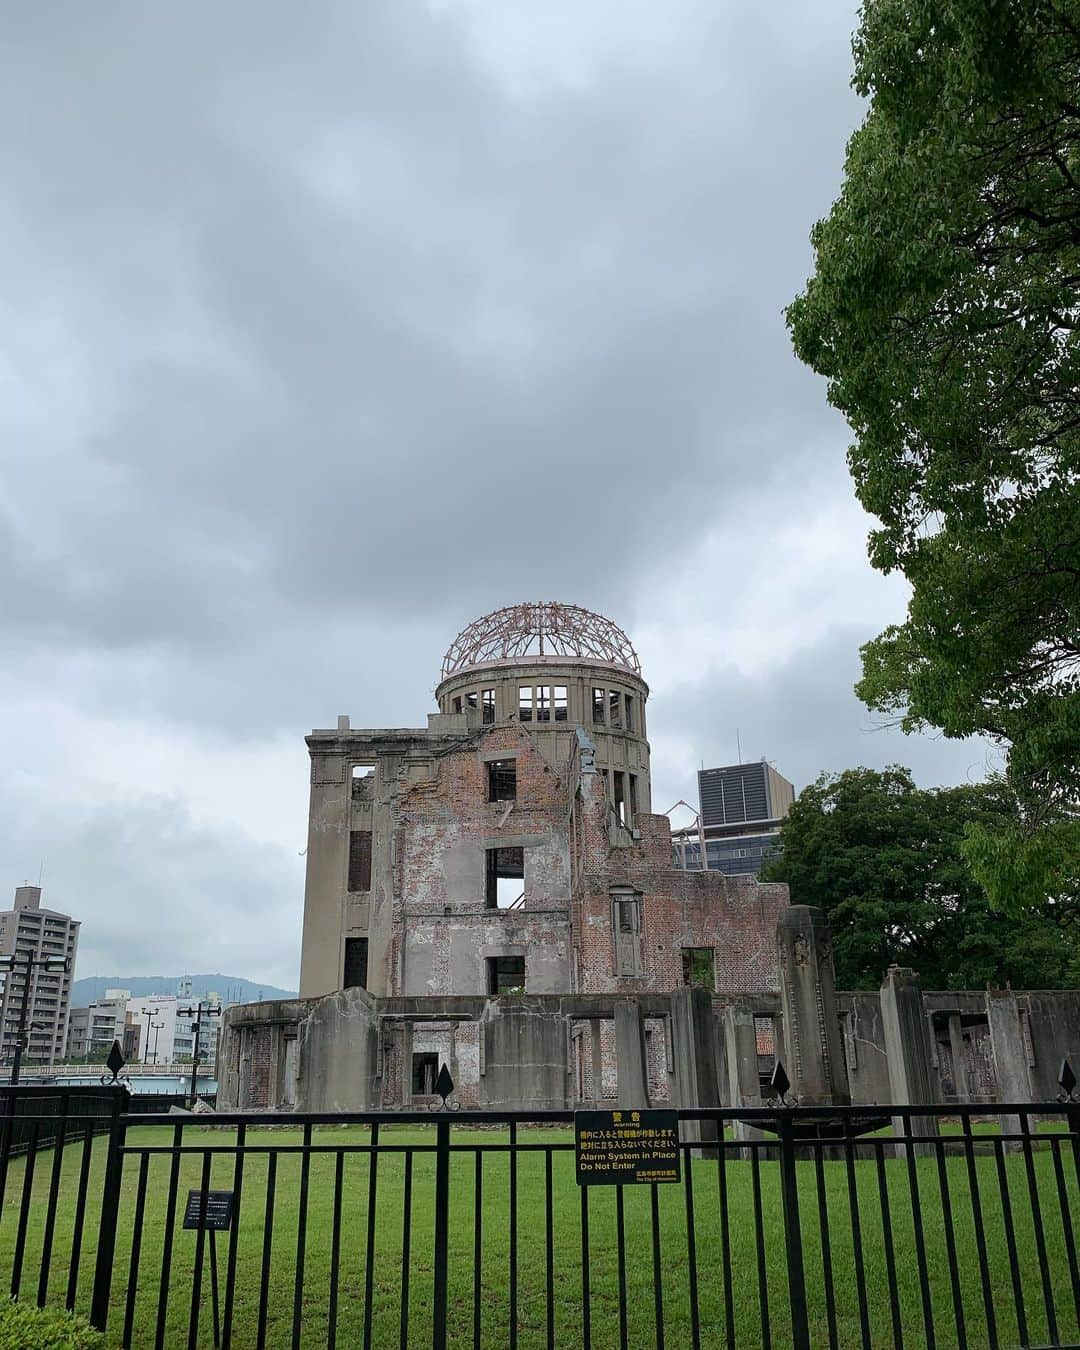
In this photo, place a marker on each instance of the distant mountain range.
(232, 988)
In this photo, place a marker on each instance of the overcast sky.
(328, 329)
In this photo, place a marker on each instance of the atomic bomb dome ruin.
(492, 893)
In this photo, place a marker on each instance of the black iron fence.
(793, 1226)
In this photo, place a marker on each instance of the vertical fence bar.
(1037, 1224)
(513, 1237)
(793, 1245)
(1067, 1227)
(24, 1210)
(826, 1247)
(691, 1250)
(478, 1244)
(369, 1254)
(725, 1243)
(166, 1249)
(759, 1246)
(1010, 1241)
(620, 1241)
(441, 1253)
(406, 1238)
(110, 1207)
(200, 1254)
(856, 1241)
(950, 1243)
(335, 1251)
(980, 1235)
(136, 1251)
(586, 1308)
(549, 1255)
(54, 1196)
(920, 1236)
(234, 1238)
(887, 1239)
(301, 1237)
(658, 1288)
(80, 1216)
(267, 1248)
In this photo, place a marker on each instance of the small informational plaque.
(626, 1146)
(218, 1212)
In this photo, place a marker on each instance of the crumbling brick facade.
(531, 780)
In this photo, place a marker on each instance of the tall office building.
(741, 808)
(27, 930)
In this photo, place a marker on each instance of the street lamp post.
(157, 1031)
(149, 1014)
(211, 1010)
(29, 963)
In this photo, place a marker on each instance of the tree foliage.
(884, 859)
(944, 313)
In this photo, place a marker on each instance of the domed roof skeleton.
(540, 629)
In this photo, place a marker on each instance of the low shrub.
(26, 1327)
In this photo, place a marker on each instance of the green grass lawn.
(388, 1265)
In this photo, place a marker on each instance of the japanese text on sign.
(217, 1213)
(616, 1147)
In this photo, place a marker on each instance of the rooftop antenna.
(738, 744)
(41, 874)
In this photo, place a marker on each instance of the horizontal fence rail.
(789, 1226)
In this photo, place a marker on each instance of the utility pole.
(210, 1010)
(11, 963)
(149, 1014)
(157, 1031)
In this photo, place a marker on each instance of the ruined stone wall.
(735, 917)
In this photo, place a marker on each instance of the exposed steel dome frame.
(544, 629)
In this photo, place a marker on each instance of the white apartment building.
(28, 931)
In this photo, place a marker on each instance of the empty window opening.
(472, 699)
(363, 782)
(629, 713)
(525, 703)
(457, 703)
(559, 702)
(543, 703)
(506, 975)
(697, 967)
(598, 706)
(487, 703)
(502, 780)
(355, 976)
(614, 708)
(505, 877)
(620, 797)
(633, 798)
(359, 860)
(425, 1069)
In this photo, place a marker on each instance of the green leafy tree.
(944, 311)
(884, 859)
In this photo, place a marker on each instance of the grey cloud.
(803, 716)
(353, 308)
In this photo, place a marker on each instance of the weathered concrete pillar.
(959, 1058)
(743, 1087)
(693, 1028)
(1009, 1051)
(633, 1081)
(907, 1049)
(596, 1046)
(811, 1023)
